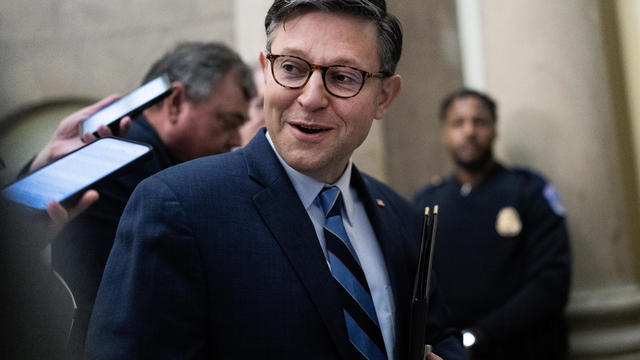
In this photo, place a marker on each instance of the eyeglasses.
(342, 81)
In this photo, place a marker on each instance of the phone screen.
(74, 172)
(135, 101)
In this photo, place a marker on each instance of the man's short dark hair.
(389, 29)
(462, 93)
(200, 66)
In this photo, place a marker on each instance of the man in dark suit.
(283, 249)
(211, 90)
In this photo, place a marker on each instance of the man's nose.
(468, 127)
(314, 95)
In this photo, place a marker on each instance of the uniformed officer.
(502, 251)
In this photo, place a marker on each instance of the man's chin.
(474, 165)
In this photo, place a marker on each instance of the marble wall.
(69, 48)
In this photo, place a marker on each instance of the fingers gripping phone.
(67, 178)
(131, 105)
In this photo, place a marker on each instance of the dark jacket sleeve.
(548, 268)
(141, 310)
(447, 342)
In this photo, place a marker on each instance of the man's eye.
(345, 78)
(292, 69)
(457, 122)
(481, 122)
(231, 122)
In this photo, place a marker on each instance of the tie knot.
(330, 200)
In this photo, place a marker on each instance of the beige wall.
(430, 67)
(628, 21)
(63, 48)
(248, 24)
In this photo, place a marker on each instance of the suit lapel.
(392, 239)
(283, 213)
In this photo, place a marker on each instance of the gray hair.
(200, 66)
(389, 29)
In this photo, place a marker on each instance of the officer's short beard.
(478, 164)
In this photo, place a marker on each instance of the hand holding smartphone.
(66, 138)
(65, 179)
(130, 105)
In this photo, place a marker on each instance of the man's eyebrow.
(336, 61)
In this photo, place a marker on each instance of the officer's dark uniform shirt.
(80, 251)
(503, 260)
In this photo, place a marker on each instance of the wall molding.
(605, 323)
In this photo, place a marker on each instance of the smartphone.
(131, 105)
(67, 178)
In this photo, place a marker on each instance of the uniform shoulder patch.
(553, 198)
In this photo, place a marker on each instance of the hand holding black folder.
(420, 298)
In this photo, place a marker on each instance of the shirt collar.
(309, 188)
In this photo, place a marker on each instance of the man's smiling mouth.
(310, 129)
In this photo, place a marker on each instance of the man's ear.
(263, 65)
(443, 132)
(263, 61)
(175, 102)
(495, 131)
(390, 89)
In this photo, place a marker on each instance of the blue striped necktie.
(359, 312)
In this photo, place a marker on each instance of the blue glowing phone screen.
(124, 106)
(74, 172)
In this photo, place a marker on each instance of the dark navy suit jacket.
(217, 259)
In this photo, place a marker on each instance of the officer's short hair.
(462, 93)
(200, 66)
(389, 29)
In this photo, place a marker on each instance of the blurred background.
(565, 74)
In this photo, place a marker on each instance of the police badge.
(508, 223)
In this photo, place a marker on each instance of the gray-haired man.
(211, 90)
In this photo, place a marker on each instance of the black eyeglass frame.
(324, 69)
